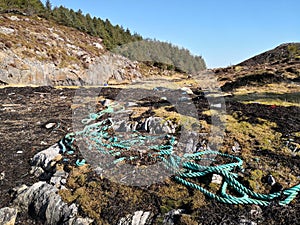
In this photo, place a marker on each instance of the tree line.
(114, 37)
(162, 54)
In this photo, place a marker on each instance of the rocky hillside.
(40, 52)
(282, 53)
(279, 65)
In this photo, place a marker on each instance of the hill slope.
(282, 53)
(279, 65)
(45, 53)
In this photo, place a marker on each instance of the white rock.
(216, 179)
(44, 143)
(50, 125)
(97, 45)
(14, 18)
(2, 175)
(6, 30)
(218, 105)
(187, 90)
(271, 180)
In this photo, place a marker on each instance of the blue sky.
(223, 32)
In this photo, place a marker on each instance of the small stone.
(236, 147)
(187, 90)
(6, 30)
(216, 179)
(271, 180)
(14, 18)
(219, 105)
(2, 175)
(131, 104)
(50, 125)
(97, 45)
(44, 143)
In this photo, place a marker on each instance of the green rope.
(96, 135)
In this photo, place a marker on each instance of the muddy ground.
(25, 111)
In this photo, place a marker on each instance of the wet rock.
(44, 158)
(42, 201)
(8, 216)
(138, 218)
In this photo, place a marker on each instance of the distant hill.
(282, 53)
(279, 65)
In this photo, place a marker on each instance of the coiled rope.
(186, 170)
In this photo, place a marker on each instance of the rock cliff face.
(39, 52)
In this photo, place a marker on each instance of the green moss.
(187, 122)
(198, 200)
(214, 187)
(255, 180)
(253, 136)
(187, 220)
